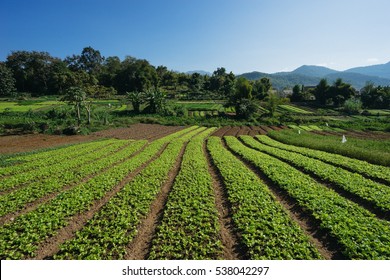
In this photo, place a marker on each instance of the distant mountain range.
(201, 72)
(310, 75)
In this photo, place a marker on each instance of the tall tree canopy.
(7, 81)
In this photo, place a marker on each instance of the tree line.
(343, 94)
(39, 73)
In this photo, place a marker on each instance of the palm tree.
(136, 98)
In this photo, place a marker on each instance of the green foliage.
(272, 102)
(374, 193)
(373, 151)
(335, 95)
(7, 81)
(77, 97)
(362, 167)
(263, 224)
(155, 101)
(375, 97)
(352, 106)
(189, 228)
(137, 99)
(124, 212)
(359, 234)
(261, 88)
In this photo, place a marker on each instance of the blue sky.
(240, 35)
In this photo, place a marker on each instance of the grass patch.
(374, 151)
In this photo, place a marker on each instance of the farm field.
(155, 192)
(43, 104)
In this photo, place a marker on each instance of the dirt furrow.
(233, 249)
(140, 246)
(77, 222)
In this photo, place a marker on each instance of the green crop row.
(53, 170)
(71, 173)
(115, 225)
(360, 234)
(375, 193)
(57, 158)
(294, 109)
(362, 167)
(373, 151)
(266, 229)
(189, 228)
(20, 238)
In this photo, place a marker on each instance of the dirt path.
(30, 142)
(139, 131)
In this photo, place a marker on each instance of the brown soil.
(139, 131)
(245, 130)
(30, 142)
(221, 132)
(233, 131)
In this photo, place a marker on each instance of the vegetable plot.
(263, 224)
(189, 228)
(189, 195)
(376, 194)
(355, 165)
(360, 234)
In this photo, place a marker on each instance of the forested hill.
(309, 75)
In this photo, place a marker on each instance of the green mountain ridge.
(310, 75)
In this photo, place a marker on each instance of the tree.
(261, 88)
(75, 96)
(32, 70)
(321, 92)
(242, 100)
(155, 100)
(297, 94)
(222, 83)
(136, 98)
(352, 106)
(272, 103)
(136, 75)
(7, 81)
(196, 83)
(375, 97)
(91, 60)
(109, 69)
(339, 92)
